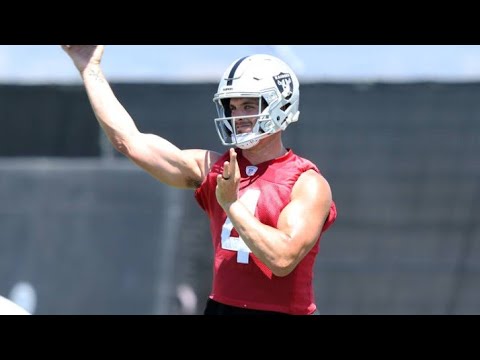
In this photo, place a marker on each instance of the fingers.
(233, 166)
(230, 168)
(235, 162)
(226, 171)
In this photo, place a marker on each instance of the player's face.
(247, 107)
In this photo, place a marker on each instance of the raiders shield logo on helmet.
(284, 84)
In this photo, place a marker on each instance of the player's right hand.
(84, 55)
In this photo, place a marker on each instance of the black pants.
(215, 308)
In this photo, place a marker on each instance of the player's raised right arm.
(159, 157)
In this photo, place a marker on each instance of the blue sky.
(199, 63)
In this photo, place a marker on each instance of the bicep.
(303, 218)
(167, 163)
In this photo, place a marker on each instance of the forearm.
(111, 115)
(269, 244)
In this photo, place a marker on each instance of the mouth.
(243, 127)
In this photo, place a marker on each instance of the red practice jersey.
(240, 278)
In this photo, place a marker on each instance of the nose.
(238, 113)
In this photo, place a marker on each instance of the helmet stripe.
(234, 68)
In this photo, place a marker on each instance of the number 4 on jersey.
(250, 200)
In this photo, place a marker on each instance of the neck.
(267, 149)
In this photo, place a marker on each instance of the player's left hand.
(228, 181)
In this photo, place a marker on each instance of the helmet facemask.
(227, 129)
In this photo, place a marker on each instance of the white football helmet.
(258, 76)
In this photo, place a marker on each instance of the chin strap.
(247, 144)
